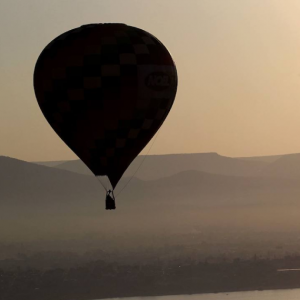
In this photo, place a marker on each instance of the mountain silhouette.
(68, 204)
(266, 159)
(24, 183)
(287, 166)
(159, 166)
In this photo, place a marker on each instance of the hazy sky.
(238, 64)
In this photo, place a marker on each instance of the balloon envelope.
(105, 89)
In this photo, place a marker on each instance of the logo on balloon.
(159, 81)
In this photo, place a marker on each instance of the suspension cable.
(101, 183)
(145, 156)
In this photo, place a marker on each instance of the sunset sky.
(238, 64)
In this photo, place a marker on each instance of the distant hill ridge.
(287, 166)
(65, 202)
(36, 184)
(159, 166)
(30, 181)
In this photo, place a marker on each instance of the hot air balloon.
(105, 89)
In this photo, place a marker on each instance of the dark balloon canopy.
(105, 89)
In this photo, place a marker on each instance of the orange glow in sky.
(238, 64)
